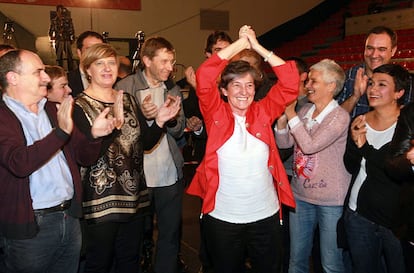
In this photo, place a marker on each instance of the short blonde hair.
(96, 52)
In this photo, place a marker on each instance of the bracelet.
(268, 56)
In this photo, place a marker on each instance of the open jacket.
(18, 161)
(135, 83)
(219, 121)
(400, 168)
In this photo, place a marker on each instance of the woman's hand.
(248, 33)
(359, 131)
(103, 125)
(282, 122)
(119, 109)
(290, 111)
(410, 155)
(168, 110)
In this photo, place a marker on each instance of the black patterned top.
(114, 187)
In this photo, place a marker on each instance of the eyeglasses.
(165, 62)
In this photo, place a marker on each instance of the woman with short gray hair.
(320, 181)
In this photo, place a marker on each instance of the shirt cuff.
(281, 131)
(293, 122)
(199, 131)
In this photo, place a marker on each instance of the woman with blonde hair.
(115, 193)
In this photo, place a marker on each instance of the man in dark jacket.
(40, 186)
(77, 78)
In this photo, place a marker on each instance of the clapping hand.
(190, 76)
(194, 123)
(119, 110)
(361, 83)
(359, 131)
(290, 111)
(168, 110)
(149, 109)
(410, 154)
(64, 115)
(103, 124)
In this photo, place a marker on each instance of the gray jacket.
(135, 83)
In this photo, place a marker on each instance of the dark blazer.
(400, 168)
(75, 82)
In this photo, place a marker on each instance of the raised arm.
(268, 55)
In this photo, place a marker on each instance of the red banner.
(102, 4)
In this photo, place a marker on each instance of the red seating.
(348, 51)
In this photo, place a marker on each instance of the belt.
(61, 207)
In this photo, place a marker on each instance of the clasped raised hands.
(248, 33)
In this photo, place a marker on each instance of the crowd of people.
(91, 160)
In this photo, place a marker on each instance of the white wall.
(176, 20)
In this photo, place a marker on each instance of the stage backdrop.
(103, 4)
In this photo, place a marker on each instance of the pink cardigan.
(322, 178)
(219, 122)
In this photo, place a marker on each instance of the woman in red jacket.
(242, 180)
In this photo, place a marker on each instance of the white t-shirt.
(377, 139)
(246, 192)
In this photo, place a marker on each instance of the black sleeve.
(150, 134)
(397, 165)
(85, 127)
(352, 157)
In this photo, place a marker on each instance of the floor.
(190, 241)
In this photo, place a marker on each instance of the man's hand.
(168, 110)
(194, 123)
(190, 76)
(149, 109)
(64, 115)
(361, 83)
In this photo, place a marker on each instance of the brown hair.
(236, 70)
(384, 30)
(54, 72)
(151, 45)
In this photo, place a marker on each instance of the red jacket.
(219, 122)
